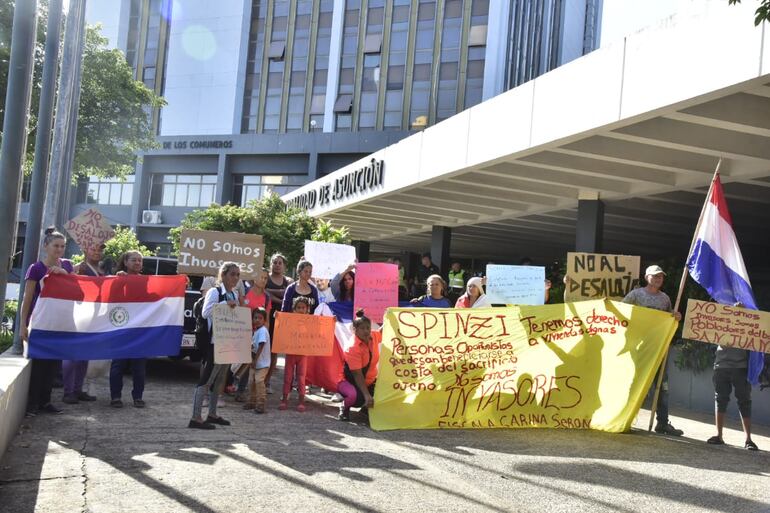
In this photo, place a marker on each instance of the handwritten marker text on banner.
(574, 366)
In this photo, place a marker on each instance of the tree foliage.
(761, 14)
(283, 229)
(113, 123)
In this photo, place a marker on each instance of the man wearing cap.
(652, 297)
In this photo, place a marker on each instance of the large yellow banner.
(585, 365)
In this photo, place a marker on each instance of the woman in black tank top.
(275, 289)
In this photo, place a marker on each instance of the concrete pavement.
(94, 458)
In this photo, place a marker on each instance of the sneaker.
(138, 403)
(82, 396)
(750, 446)
(344, 414)
(194, 424)
(230, 389)
(70, 399)
(668, 429)
(116, 403)
(217, 420)
(283, 405)
(260, 409)
(300, 407)
(337, 398)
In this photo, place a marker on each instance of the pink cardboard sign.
(376, 289)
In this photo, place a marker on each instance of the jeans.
(211, 382)
(73, 374)
(661, 412)
(138, 371)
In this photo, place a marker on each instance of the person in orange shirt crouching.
(359, 373)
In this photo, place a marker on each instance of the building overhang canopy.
(640, 125)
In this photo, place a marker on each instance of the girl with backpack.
(213, 374)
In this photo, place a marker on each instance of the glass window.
(477, 35)
(255, 187)
(106, 191)
(426, 11)
(344, 103)
(184, 190)
(453, 9)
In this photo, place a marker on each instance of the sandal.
(283, 405)
(715, 440)
(750, 446)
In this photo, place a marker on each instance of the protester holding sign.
(43, 371)
(74, 371)
(276, 286)
(359, 372)
(296, 364)
(130, 263)
(343, 284)
(436, 297)
(474, 296)
(652, 297)
(213, 375)
(302, 287)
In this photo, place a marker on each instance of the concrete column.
(362, 250)
(441, 237)
(497, 48)
(590, 224)
(142, 191)
(224, 192)
(335, 57)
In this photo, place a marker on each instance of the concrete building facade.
(270, 95)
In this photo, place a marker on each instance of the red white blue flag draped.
(717, 265)
(87, 318)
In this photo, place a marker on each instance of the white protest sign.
(516, 284)
(328, 259)
(231, 334)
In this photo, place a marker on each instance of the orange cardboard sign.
(303, 334)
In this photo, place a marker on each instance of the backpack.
(202, 331)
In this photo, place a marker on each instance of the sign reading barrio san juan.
(359, 180)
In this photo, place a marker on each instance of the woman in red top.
(360, 370)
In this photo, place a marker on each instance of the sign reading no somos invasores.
(202, 252)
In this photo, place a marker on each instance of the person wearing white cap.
(474, 296)
(651, 296)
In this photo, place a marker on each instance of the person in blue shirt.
(436, 296)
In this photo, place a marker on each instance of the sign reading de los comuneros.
(359, 180)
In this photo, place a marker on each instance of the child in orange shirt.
(360, 370)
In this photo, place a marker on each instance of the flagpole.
(679, 293)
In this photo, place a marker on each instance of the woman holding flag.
(212, 374)
(43, 371)
(130, 264)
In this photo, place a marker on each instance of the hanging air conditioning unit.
(151, 217)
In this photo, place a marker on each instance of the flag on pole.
(100, 318)
(716, 262)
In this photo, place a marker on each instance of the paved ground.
(96, 459)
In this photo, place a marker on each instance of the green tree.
(112, 121)
(761, 14)
(283, 229)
